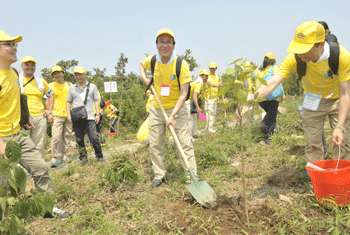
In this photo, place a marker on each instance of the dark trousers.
(81, 128)
(271, 109)
(113, 122)
(99, 132)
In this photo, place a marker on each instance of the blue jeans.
(81, 128)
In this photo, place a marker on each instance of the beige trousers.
(157, 140)
(192, 120)
(313, 123)
(210, 111)
(61, 136)
(38, 134)
(33, 163)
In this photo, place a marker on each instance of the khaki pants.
(210, 111)
(313, 123)
(38, 134)
(157, 140)
(192, 120)
(61, 136)
(33, 163)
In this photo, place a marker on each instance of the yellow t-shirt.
(109, 110)
(315, 73)
(10, 105)
(35, 96)
(212, 92)
(99, 101)
(162, 75)
(149, 101)
(196, 86)
(60, 95)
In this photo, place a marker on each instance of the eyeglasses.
(170, 42)
(10, 44)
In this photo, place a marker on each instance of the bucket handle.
(338, 159)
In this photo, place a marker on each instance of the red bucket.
(331, 184)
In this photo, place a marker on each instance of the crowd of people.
(78, 107)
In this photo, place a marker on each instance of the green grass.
(136, 208)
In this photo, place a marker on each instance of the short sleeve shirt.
(212, 92)
(10, 106)
(312, 81)
(60, 94)
(162, 74)
(196, 86)
(35, 96)
(76, 96)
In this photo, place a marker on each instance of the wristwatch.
(340, 128)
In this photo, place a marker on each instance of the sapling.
(240, 94)
(16, 207)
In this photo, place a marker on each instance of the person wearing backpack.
(61, 127)
(327, 89)
(270, 105)
(172, 89)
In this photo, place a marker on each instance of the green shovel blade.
(203, 193)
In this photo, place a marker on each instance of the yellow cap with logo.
(27, 59)
(269, 56)
(6, 37)
(213, 65)
(166, 31)
(306, 35)
(79, 70)
(56, 68)
(204, 72)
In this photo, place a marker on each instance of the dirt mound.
(227, 217)
(284, 176)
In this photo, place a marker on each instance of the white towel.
(38, 81)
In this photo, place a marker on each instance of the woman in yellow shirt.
(268, 124)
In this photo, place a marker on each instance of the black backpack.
(178, 71)
(333, 60)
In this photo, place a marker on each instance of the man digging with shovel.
(172, 94)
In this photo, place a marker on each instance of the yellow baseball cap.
(79, 70)
(213, 65)
(269, 56)
(6, 37)
(28, 58)
(306, 35)
(166, 31)
(204, 71)
(56, 68)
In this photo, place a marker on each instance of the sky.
(96, 33)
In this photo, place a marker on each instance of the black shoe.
(83, 161)
(267, 141)
(100, 159)
(263, 128)
(56, 213)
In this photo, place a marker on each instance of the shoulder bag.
(80, 113)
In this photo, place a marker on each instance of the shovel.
(200, 190)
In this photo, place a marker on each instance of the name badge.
(165, 90)
(311, 101)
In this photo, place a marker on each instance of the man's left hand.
(338, 137)
(97, 118)
(171, 121)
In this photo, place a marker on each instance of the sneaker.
(65, 159)
(59, 213)
(54, 162)
(157, 182)
(212, 130)
(193, 139)
(100, 159)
